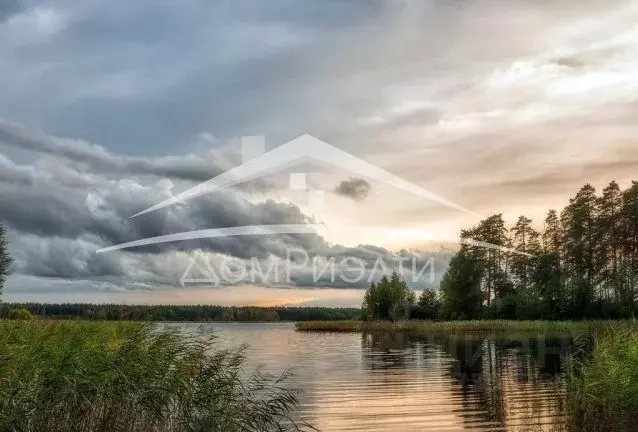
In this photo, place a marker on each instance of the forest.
(579, 263)
(582, 263)
(193, 313)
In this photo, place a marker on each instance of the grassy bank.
(429, 327)
(98, 376)
(603, 385)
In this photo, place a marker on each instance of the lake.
(398, 382)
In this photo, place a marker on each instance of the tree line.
(194, 313)
(582, 264)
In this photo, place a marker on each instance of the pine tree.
(553, 234)
(583, 265)
(608, 239)
(526, 241)
(579, 223)
(629, 240)
(492, 262)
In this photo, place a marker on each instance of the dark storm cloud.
(357, 189)
(61, 258)
(58, 215)
(10, 7)
(190, 168)
(96, 159)
(55, 211)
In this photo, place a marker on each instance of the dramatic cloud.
(98, 159)
(48, 204)
(111, 107)
(354, 188)
(59, 213)
(9, 8)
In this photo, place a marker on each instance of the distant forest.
(583, 264)
(195, 313)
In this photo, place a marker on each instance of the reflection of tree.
(476, 371)
(498, 382)
(386, 350)
(468, 353)
(550, 354)
(509, 380)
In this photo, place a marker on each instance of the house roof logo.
(257, 164)
(306, 148)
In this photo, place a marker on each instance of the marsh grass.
(602, 382)
(87, 376)
(560, 328)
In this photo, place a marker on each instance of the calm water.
(395, 382)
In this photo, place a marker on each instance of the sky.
(108, 108)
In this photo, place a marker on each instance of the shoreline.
(485, 327)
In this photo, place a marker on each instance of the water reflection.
(512, 383)
(397, 381)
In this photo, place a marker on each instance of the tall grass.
(603, 384)
(85, 376)
(427, 327)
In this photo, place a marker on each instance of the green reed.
(96, 376)
(602, 382)
(426, 327)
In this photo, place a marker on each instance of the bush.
(20, 314)
(515, 306)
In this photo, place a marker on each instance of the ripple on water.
(396, 382)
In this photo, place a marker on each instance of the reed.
(431, 327)
(97, 376)
(602, 382)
